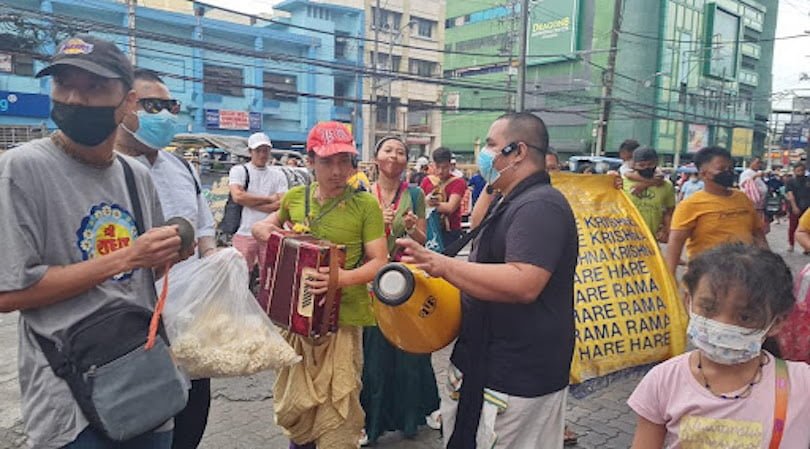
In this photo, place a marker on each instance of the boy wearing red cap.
(318, 400)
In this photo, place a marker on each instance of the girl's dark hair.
(386, 139)
(761, 274)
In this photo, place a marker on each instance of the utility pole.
(509, 49)
(375, 58)
(524, 32)
(390, 80)
(131, 4)
(607, 80)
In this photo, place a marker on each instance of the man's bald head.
(527, 127)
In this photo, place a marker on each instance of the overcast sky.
(791, 56)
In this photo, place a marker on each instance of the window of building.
(498, 40)
(419, 117)
(384, 62)
(723, 36)
(385, 19)
(384, 113)
(343, 89)
(341, 45)
(421, 68)
(23, 65)
(496, 12)
(280, 87)
(423, 27)
(222, 80)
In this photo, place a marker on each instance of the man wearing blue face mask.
(510, 365)
(178, 187)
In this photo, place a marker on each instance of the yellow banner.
(627, 309)
(742, 139)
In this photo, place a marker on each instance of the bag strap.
(307, 193)
(331, 291)
(458, 245)
(247, 177)
(781, 403)
(414, 191)
(60, 364)
(190, 171)
(454, 248)
(132, 189)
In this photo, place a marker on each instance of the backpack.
(232, 217)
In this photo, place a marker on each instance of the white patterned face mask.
(723, 343)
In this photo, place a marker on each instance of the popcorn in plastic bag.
(214, 323)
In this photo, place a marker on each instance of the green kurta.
(399, 389)
(352, 219)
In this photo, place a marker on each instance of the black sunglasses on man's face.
(155, 105)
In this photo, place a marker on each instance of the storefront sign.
(24, 105)
(233, 120)
(698, 138)
(552, 30)
(742, 139)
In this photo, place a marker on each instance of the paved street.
(242, 416)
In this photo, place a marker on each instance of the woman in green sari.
(399, 389)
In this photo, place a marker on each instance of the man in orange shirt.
(718, 214)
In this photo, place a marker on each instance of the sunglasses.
(155, 105)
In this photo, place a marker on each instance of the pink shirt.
(696, 419)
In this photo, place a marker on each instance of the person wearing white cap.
(258, 188)
(420, 172)
(454, 170)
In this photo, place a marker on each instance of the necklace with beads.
(741, 395)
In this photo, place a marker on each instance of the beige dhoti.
(318, 399)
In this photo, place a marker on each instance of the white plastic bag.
(214, 323)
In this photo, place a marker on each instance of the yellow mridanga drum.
(417, 313)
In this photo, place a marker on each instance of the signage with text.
(552, 32)
(627, 310)
(24, 105)
(233, 120)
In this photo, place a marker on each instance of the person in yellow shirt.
(716, 215)
(359, 180)
(803, 232)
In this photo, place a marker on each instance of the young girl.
(729, 393)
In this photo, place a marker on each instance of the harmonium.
(285, 296)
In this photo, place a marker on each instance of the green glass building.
(688, 73)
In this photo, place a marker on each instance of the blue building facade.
(233, 79)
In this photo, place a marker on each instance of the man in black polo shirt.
(517, 334)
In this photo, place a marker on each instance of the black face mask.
(725, 178)
(646, 172)
(86, 125)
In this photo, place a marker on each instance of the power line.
(691, 41)
(433, 106)
(371, 40)
(407, 76)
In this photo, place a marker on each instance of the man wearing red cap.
(318, 400)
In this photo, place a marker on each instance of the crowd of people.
(82, 229)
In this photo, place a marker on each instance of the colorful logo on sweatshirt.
(106, 229)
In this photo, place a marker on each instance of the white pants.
(509, 422)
